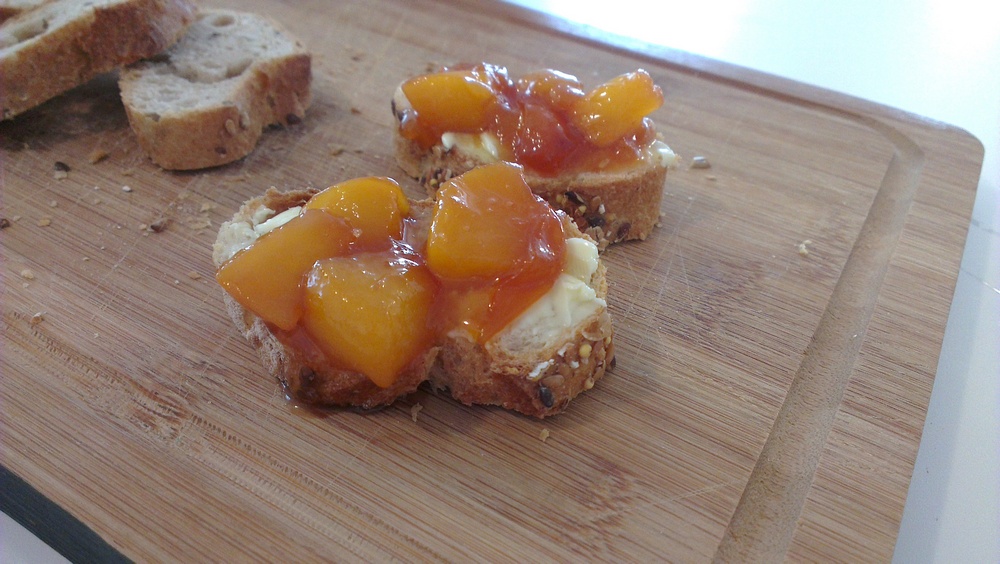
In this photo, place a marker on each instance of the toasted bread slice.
(610, 206)
(534, 366)
(61, 44)
(206, 101)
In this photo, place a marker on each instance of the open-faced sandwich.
(354, 296)
(593, 154)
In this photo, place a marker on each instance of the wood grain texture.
(766, 403)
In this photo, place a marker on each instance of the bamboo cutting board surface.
(777, 335)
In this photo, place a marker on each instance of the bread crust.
(538, 383)
(608, 206)
(273, 89)
(51, 59)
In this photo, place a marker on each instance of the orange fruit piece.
(369, 312)
(617, 107)
(487, 224)
(491, 237)
(557, 90)
(374, 207)
(450, 101)
(267, 277)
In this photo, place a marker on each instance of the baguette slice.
(62, 44)
(610, 207)
(529, 367)
(206, 101)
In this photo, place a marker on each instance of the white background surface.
(935, 58)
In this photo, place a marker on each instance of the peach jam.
(544, 120)
(346, 272)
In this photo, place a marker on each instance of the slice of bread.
(61, 44)
(207, 100)
(613, 206)
(534, 366)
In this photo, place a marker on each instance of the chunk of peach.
(374, 206)
(617, 107)
(556, 89)
(369, 312)
(267, 277)
(450, 101)
(487, 224)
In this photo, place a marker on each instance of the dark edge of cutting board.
(52, 524)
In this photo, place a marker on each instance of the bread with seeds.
(614, 196)
(557, 348)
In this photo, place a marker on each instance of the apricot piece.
(369, 312)
(543, 144)
(558, 90)
(617, 107)
(487, 224)
(374, 206)
(450, 101)
(267, 277)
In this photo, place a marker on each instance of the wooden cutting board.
(777, 335)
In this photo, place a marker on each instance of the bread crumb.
(45, 222)
(804, 247)
(159, 226)
(206, 207)
(700, 162)
(711, 177)
(194, 275)
(60, 174)
(197, 223)
(97, 155)
(61, 170)
(544, 435)
(336, 150)
(38, 318)
(53, 203)
(414, 411)
(28, 274)
(126, 188)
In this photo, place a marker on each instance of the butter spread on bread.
(594, 154)
(524, 325)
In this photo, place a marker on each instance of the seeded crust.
(207, 100)
(507, 371)
(62, 44)
(609, 207)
